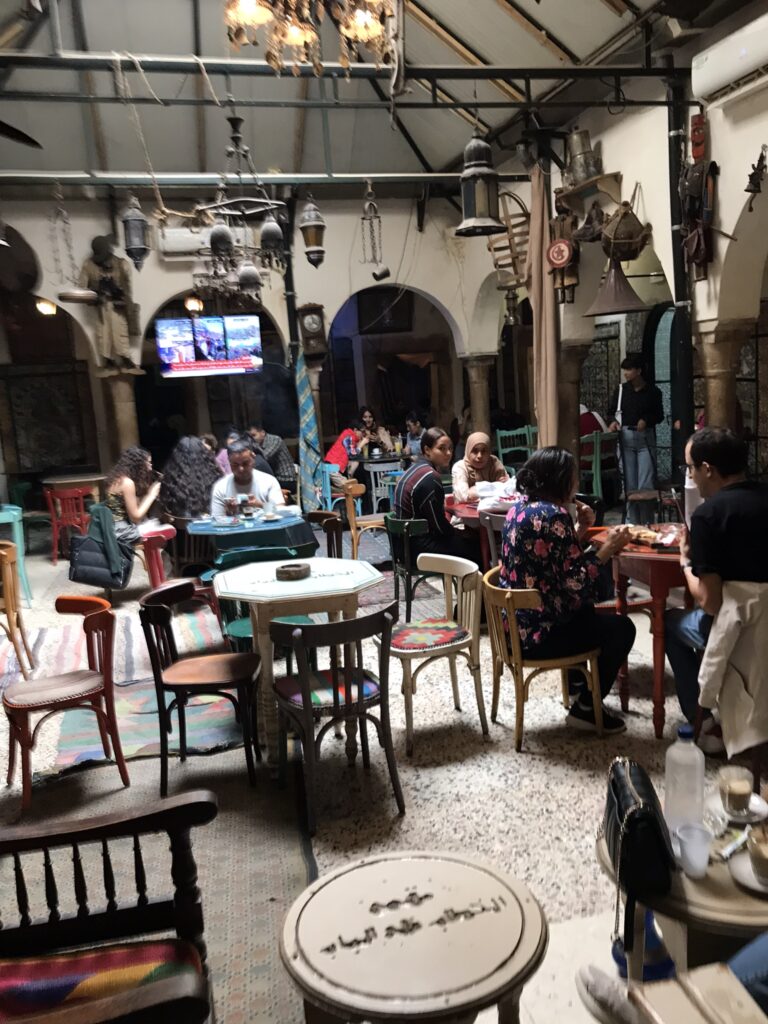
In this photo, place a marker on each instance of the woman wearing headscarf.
(478, 464)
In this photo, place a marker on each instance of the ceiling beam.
(429, 22)
(21, 32)
(535, 29)
(465, 111)
(141, 179)
(621, 7)
(94, 130)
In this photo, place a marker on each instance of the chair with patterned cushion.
(101, 954)
(345, 692)
(90, 689)
(507, 649)
(232, 676)
(353, 493)
(429, 640)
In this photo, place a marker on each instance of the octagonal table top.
(329, 577)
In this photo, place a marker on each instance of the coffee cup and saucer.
(735, 798)
(750, 867)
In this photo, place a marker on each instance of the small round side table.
(413, 936)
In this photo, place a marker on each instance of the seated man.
(277, 455)
(244, 485)
(727, 542)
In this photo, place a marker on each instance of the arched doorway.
(393, 348)
(168, 408)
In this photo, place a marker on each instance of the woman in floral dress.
(542, 550)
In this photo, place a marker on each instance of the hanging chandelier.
(292, 29)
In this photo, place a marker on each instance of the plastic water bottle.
(692, 498)
(684, 781)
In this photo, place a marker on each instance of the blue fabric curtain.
(310, 456)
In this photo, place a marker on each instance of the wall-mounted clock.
(312, 328)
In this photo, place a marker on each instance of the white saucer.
(271, 518)
(742, 872)
(758, 809)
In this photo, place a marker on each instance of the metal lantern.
(312, 227)
(249, 278)
(479, 191)
(135, 232)
(221, 239)
(271, 234)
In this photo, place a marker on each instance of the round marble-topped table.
(413, 936)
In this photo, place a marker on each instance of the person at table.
(245, 485)
(727, 542)
(479, 463)
(222, 456)
(275, 451)
(373, 434)
(636, 410)
(131, 491)
(542, 550)
(212, 445)
(420, 495)
(346, 452)
(188, 479)
(415, 430)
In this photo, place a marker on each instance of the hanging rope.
(207, 80)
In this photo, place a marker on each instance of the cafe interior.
(303, 304)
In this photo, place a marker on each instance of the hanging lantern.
(46, 308)
(312, 228)
(193, 303)
(221, 239)
(271, 234)
(479, 191)
(136, 233)
(249, 278)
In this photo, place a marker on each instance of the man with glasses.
(728, 541)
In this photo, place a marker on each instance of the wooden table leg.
(349, 611)
(314, 1015)
(261, 616)
(621, 583)
(659, 603)
(509, 1009)
(485, 549)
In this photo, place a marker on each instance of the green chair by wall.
(514, 447)
(399, 533)
(598, 459)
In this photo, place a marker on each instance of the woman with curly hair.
(131, 492)
(188, 477)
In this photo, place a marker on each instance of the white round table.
(413, 936)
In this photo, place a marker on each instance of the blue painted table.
(289, 531)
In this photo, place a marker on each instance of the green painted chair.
(598, 459)
(514, 447)
(235, 618)
(400, 532)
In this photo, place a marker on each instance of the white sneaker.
(605, 997)
(710, 739)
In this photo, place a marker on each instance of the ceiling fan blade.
(16, 135)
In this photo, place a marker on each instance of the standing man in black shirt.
(728, 541)
(636, 409)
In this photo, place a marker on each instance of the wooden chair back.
(75, 604)
(462, 576)
(598, 453)
(180, 913)
(514, 447)
(348, 636)
(67, 507)
(353, 492)
(493, 524)
(500, 607)
(9, 578)
(332, 527)
(400, 532)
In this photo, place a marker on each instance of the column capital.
(718, 332)
(482, 359)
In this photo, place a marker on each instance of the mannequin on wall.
(109, 276)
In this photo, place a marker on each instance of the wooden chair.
(343, 693)
(598, 458)
(191, 553)
(10, 605)
(67, 509)
(353, 492)
(18, 493)
(186, 678)
(332, 527)
(514, 447)
(90, 689)
(493, 524)
(104, 950)
(400, 532)
(432, 639)
(506, 649)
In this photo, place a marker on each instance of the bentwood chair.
(333, 528)
(493, 524)
(346, 692)
(67, 509)
(598, 459)
(90, 689)
(507, 650)
(429, 640)
(10, 606)
(92, 959)
(231, 676)
(400, 533)
(353, 492)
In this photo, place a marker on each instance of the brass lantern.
(312, 227)
(479, 191)
(136, 232)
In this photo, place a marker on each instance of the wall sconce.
(46, 307)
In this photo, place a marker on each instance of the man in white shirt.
(244, 485)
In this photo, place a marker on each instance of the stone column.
(123, 403)
(718, 344)
(479, 399)
(572, 356)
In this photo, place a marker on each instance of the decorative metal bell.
(479, 191)
(249, 278)
(616, 294)
(271, 234)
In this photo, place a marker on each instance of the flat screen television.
(209, 345)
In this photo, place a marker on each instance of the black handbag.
(637, 838)
(88, 563)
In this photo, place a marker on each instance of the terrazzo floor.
(533, 813)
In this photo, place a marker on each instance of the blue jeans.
(750, 965)
(685, 637)
(638, 458)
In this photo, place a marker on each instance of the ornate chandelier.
(292, 28)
